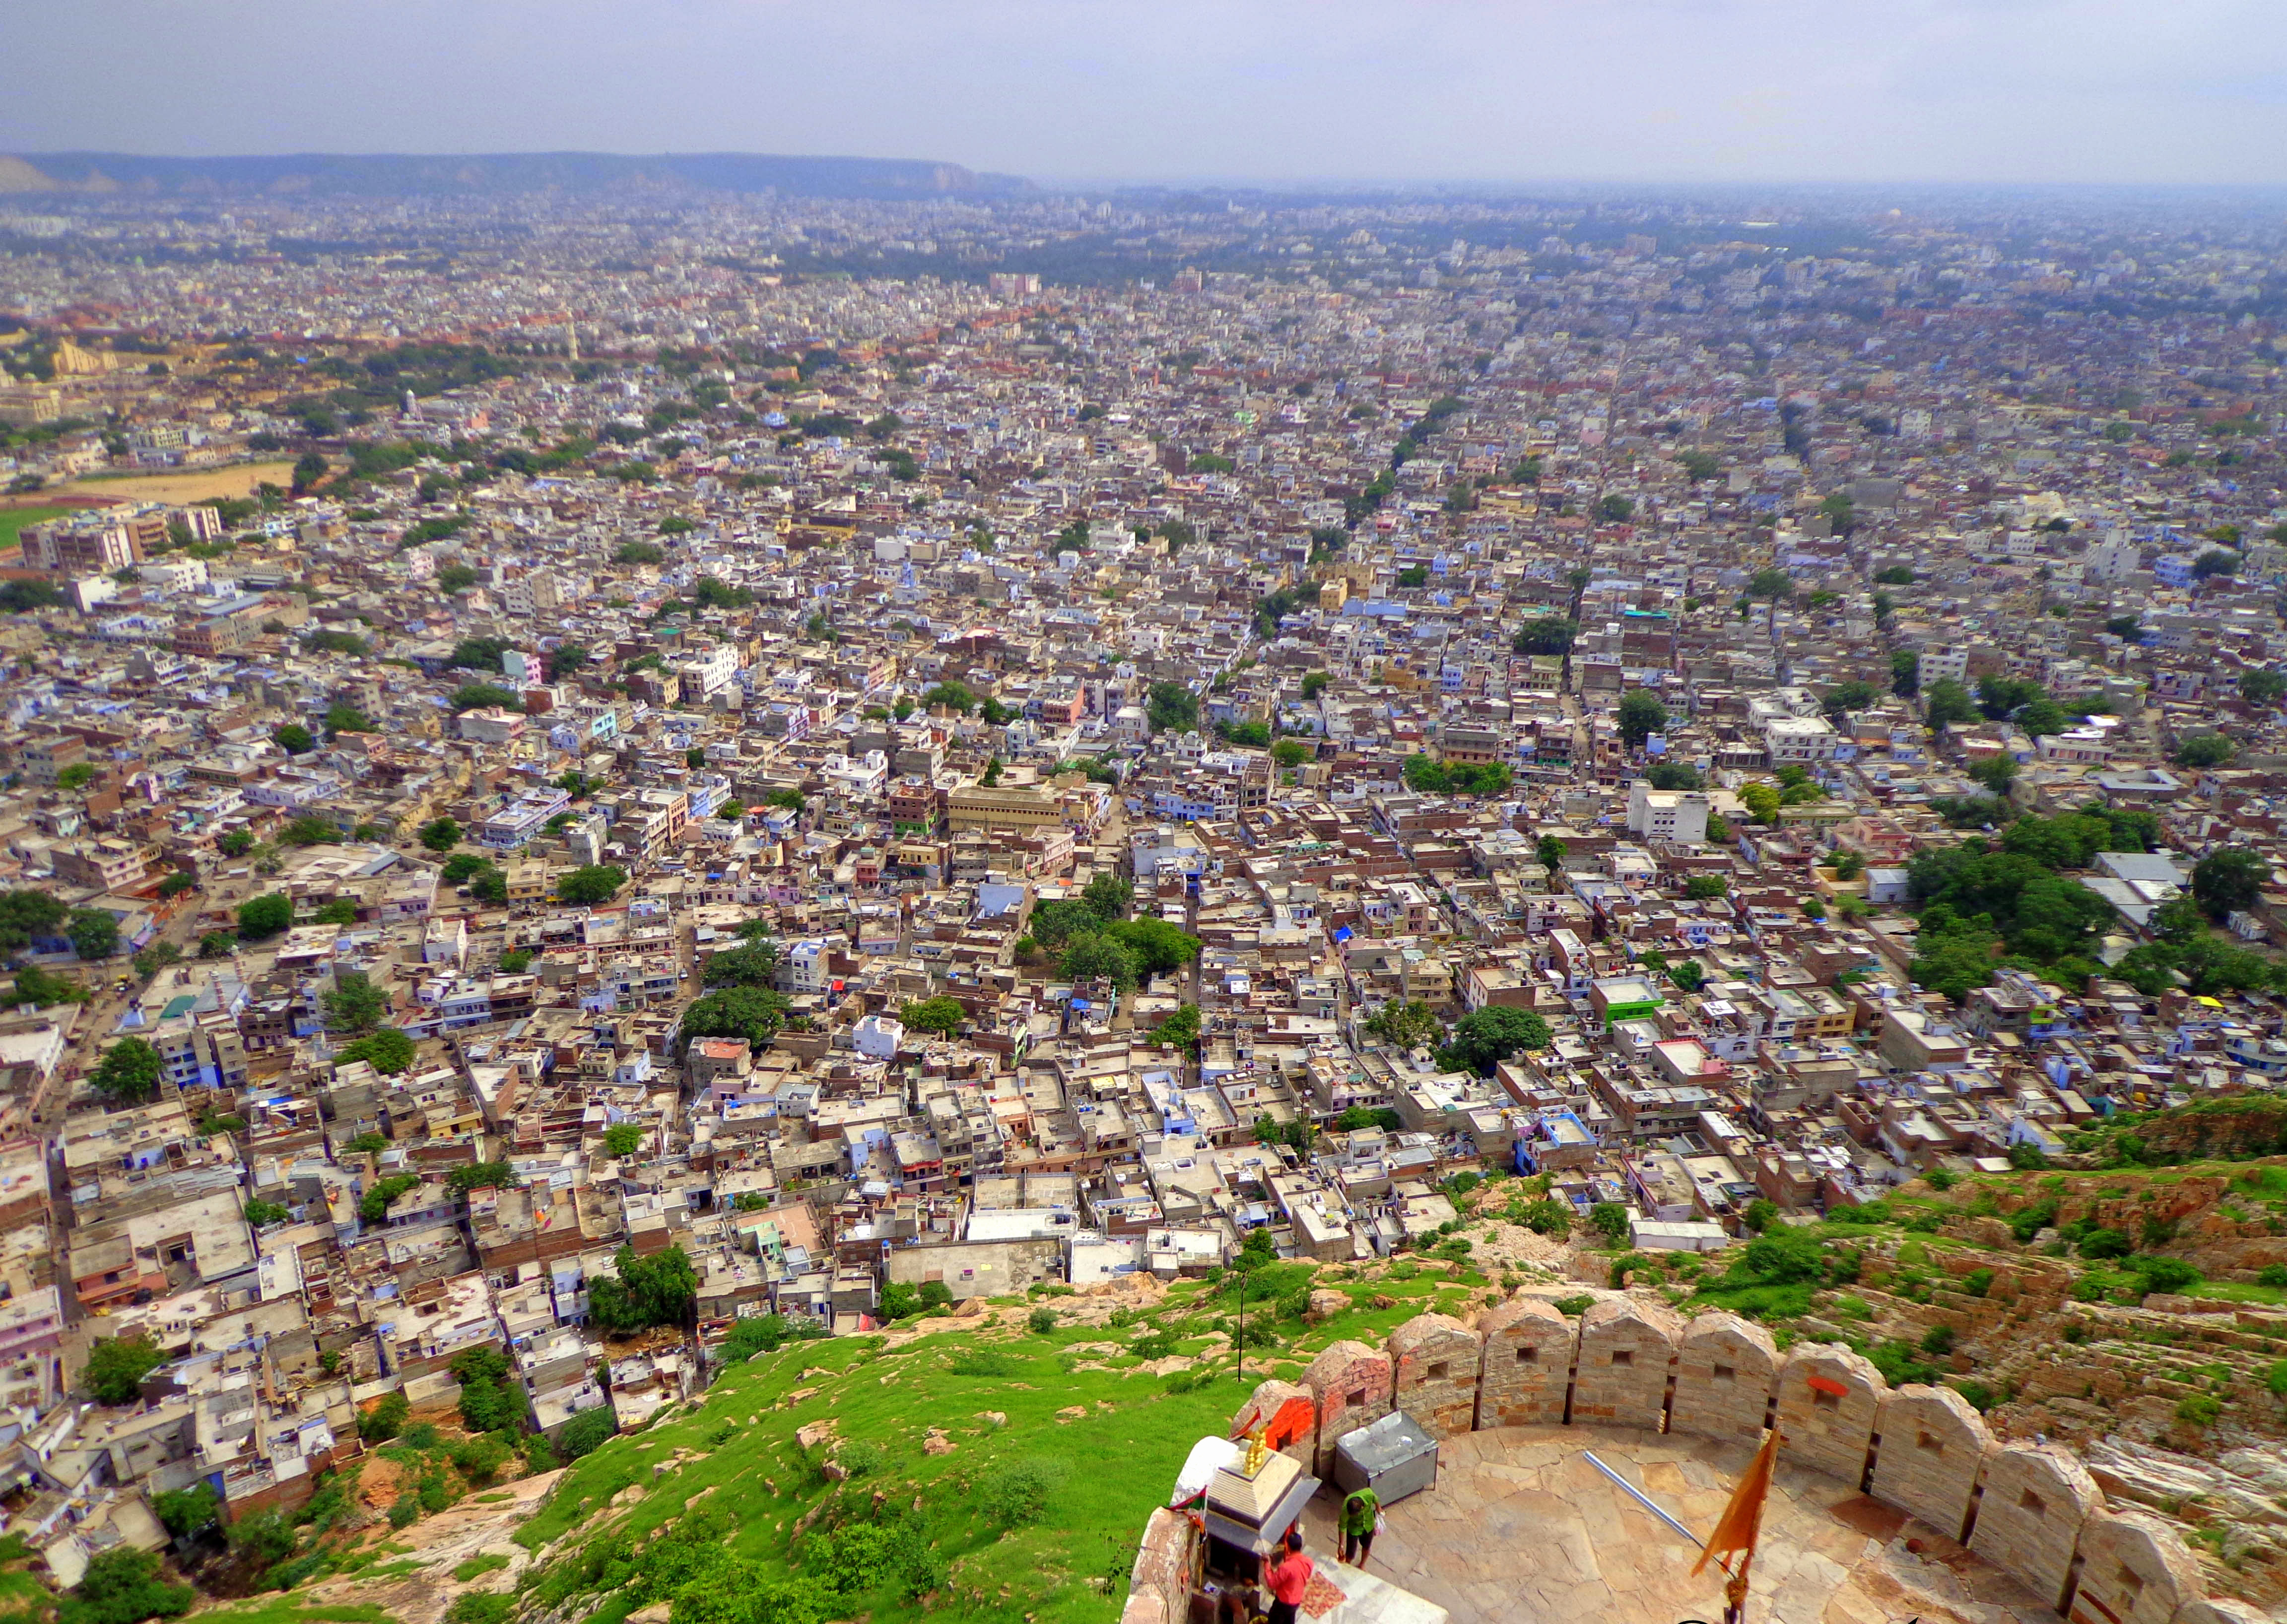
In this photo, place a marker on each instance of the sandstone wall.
(1527, 1371)
(1621, 1368)
(1725, 1367)
(2031, 1509)
(1433, 1364)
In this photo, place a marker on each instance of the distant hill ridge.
(493, 174)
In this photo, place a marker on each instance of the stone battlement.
(2031, 1509)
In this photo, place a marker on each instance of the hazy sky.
(1278, 90)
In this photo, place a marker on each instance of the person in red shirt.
(1289, 1576)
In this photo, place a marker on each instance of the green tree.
(125, 1586)
(343, 717)
(94, 933)
(1405, 1024)
(354, 1003)
(754, 1013)
(388, 1051)
(586, 1432)
(1896, 574)
(1845, 697)
(622, 1140)
(754, 964)
(35, 986)
(1905, 672)
(262, 917)
(487, 695)
(1705, 887)
(185, 1511)
(2228, 880)
(589, 886)
(1158, 946)
(2203, 750)
(116, 1368)
(1107, 896)
(1762, 801)
(1093, 956)
(1484, 1038)
(129, 1072)
(1616, 509)
(940, 1015)
(1612, 1221)
(294, 739)
(385, 1419)
(1948, 704)
(1180, 1030)
(463, 866)
(1672, 775)
(1641, 716)
(661, 1290)
(1172, 707)
(441, 835)
(1549, 853)
(340, 911)
(1772, 584)
(1548, 635)
(2261, 686)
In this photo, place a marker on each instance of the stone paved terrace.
(1520, 1530)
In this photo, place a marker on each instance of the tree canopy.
(754, 1013)
(129, 1072)
(594, 884)
(1641, 716)
(1484, 1038)
(941, 1015)
(660, 1289)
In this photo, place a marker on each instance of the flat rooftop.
(1520, 1529)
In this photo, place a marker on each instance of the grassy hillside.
(1003, 1468)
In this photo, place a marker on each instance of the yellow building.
(974, 807)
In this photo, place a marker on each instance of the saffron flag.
(1743, 1518)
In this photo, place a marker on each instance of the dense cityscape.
(610, 798)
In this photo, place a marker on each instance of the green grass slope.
(1060, 1446)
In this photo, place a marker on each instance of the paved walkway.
(1520, 1530)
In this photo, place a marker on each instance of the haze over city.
(2193, 92)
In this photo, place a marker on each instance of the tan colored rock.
(1724, 1370)
(1326, 1304)
(1934, 1445)
(1828, 1400)
(1525, 1365)
(2028, 1518)
(1351, 1383)
(1434, 1369)
(2133, 1570)
(1620, 1368)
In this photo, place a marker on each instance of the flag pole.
(1741, 1528)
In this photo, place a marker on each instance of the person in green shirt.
(1360, 1509)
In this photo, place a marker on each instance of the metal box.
(1393, 1456)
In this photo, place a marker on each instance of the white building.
(1667, 814)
